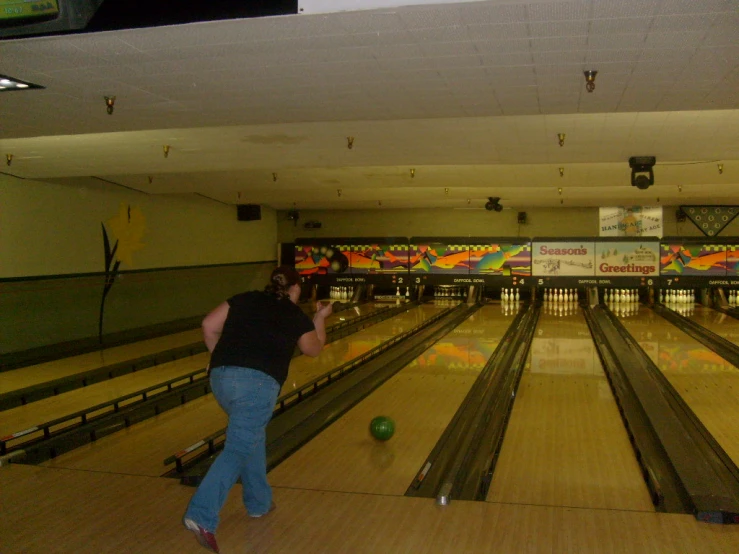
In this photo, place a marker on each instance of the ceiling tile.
(558, 11)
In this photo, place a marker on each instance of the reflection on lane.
(565, 444)
(348, 314)
(303, 369)
(720, 323)
(707, 383)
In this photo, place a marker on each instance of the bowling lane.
(566, 444)
(57, 369)
(720, 323)
(707, 383)
(422, 399)
(304, 369)
(141, 448)
(48, 409)
(351, 313)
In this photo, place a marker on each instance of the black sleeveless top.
(261, 332)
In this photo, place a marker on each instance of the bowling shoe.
(204, 537)
(272, 507)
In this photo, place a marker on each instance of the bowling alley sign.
(557, 259)
(627, 259)
(608, 259)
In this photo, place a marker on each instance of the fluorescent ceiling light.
(8, 84)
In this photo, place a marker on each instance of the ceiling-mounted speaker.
(522, 218)
(248, 212)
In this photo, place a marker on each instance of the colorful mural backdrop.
(322, 259)
(631, 221)
(627, 259)
(707, 260)
(732, 260)
(439, 258)
(553, 259)
(378, 257)
(504, 259)
(455, 257)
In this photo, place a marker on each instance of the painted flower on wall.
(128, 227)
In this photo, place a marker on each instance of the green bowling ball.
(382, 428)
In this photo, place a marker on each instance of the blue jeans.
(248, 396)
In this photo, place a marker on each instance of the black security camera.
(642, 175)
(493, 203)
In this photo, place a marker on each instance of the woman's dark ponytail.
(281, 280)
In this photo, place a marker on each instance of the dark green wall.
(47, 311)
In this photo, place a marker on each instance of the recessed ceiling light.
(8, 84)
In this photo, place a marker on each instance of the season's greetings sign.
(627, 259)
(553, 259)
(589, 259)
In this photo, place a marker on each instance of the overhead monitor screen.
(23, 11)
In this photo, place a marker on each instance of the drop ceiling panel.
(665, 39)
(620, 26)
(704, 6)
(481, 89)
(498, 32)
(558, 11)
(491, 13)
(640, 10)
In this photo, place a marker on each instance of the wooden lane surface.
(351, 313)
(42, 411)
(565, 444)
(708, 383)
(57, 369)
(141, 448)
(60, 511)
(40, 509)
(48, 409)
(304, 369)
(722, 324)
(66, 367)
(422, 399)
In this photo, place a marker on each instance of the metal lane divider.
(665, 489)
(727, 350)
(707, 474)
(460, 465)
(26, 395)
(83, 417)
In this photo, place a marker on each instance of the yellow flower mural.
(128, 227)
